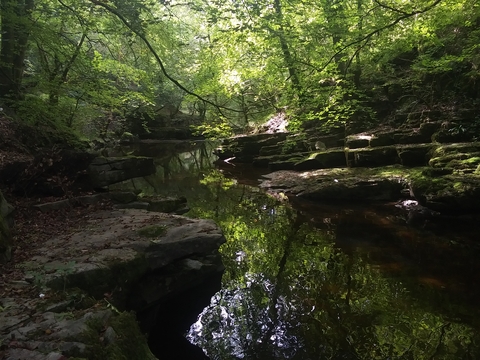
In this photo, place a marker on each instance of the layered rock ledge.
(131, 258)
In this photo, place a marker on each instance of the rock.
(455, 148)
(416, 214)
(307, 164)
(173, 280)
(462, 157)
(339, 184)
(283, 164)
(429, 128)
(166, 205)
(448, 193)
(414, 155)
(55, 205)
(246, 148)
(22, 354)
(372, 157)
(5, 235)
(110, 335)
(122, 197)
(49, 336)
(181, 210)
(411, 137)
(319, 145)
(112, 251)
(454, 132)
(288, 159)
(355, 189)
(436, 172)
(358, 141)
(270, 150)
(143, 205)
(106, 171)
(331, 158)
(384, 138)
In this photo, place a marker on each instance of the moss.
(435, 172)
(472, 161)
(130, 343)
(153, 231)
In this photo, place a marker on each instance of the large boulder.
(5, 236)
(105, 171)
(116, 249)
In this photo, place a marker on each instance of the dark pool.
(327, 281)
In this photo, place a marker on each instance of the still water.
(325, 281)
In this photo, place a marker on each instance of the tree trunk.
(287, 54)
(14, 17)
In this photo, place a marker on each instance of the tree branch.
(390, 8)
(367, 37)
(157, 57)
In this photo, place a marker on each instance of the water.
(317, 281)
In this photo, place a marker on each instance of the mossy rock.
(458, 148)
(128, 341)
(457, 161)
(448, 193)
(435, 172)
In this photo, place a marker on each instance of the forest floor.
(32, 227)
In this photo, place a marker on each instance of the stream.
(322, 281)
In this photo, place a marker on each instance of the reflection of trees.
(289, 293)
(176, 166)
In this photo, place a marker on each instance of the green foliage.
(217, 129)
(328, 61)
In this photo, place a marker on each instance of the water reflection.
(335, 282)
(331, 281)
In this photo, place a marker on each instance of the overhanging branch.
(157, 57)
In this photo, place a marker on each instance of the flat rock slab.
(339, 184)
(118, 247)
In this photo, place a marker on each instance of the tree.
(15, 31)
